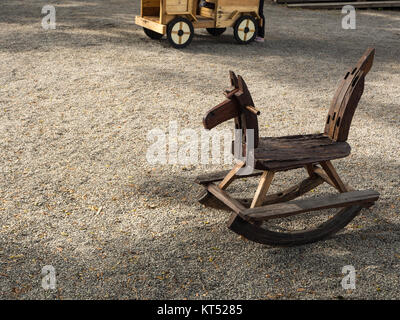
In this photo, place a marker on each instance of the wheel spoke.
(175, 37)
(246, 29)
(185, 28)
(185, 38)
(180, 32)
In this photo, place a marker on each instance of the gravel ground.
(77, 193)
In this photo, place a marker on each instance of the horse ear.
(234, 79)
(241, 84)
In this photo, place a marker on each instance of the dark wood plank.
(299, 147)
(282, 153)
(346, 112)
(346, 98)
(337, 101)
(289, 208)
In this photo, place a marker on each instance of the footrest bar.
(280, 210)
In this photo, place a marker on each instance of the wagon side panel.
(176, 6)
(172, 8)
(150, 8)
(228, 11)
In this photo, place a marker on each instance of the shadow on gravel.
(207, 260)
(191, 263)
(29, 12)
(105, 16)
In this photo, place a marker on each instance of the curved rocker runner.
(314, 152)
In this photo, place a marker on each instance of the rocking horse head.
(238, 105)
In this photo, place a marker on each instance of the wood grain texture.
(283, 153)
(346, 112)
(289, 208)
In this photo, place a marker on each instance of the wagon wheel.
(152, 34)
(216, 31)
(180, 32)
(245, 29)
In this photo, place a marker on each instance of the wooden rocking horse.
(314, 152)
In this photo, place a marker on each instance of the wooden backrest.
(346, 98)
(238, 98)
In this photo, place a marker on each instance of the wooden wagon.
(252, 217)
(178, 19)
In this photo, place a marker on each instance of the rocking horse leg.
(321, 173)
(208, 199)
(334, 180)
(333, 176)
(231, 175)
(262, 189)
(310, 170)
(258, 199)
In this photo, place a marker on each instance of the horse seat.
(289, 152)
